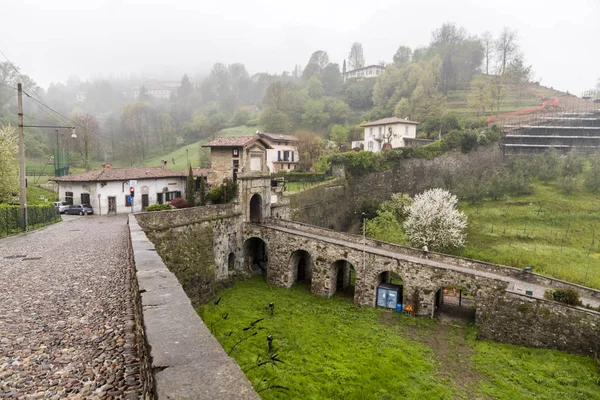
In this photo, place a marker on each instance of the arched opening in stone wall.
(344, 275)
(301, 265)
(256, 208)
(389, 291)
(454, 303)
(231, 262)
(256, 257)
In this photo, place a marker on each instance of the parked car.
(60, 206)
(80, 209)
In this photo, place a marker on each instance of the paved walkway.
(512, 284)
(66, 324)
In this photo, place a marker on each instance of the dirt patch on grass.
(448, 341)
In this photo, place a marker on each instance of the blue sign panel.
(129, 199)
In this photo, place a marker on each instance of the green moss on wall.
(188, 254)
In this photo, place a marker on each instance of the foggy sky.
(51, 40)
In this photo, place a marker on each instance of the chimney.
(106, 165)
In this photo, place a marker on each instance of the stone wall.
(186, 360)
(195, 243)
(532, 322)
(326, 205)
(221, 164)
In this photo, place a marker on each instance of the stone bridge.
(290, 252)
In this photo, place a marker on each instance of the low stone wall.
(160, 220)
(513, 273)
(527, 321)
(187, 361)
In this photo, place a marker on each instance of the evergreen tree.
(189, 191)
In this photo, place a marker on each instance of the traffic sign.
(129, 199)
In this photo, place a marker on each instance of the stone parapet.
(187, 361)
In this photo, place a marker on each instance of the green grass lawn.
(331, 349)
(558, 234)
(35, 194)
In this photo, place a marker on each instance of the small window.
(69, 198)
(370, 145)
(289, 166)
(236, 152)
(85, 198)
(406, 130)
(286, 156)
(371, 131)
(159, 198)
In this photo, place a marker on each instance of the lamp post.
(22, 181)
(364, 241)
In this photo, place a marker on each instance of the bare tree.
(88, 131)
(488, 49)
(507, 47)
(356, 59)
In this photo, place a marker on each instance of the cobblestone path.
(66, 319)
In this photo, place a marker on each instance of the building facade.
(108, 190)
(370, 71)
(229, 155)
(283, 156)
(392, 130)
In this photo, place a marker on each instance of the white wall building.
(284, 154)
(370, 71)
(392, 130)
(107, 190)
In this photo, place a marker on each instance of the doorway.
(112, 205)
(255, 208)
(144, 201)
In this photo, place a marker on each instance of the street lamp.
(364, 241)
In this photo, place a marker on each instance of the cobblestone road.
(66, 320)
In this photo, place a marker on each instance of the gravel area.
(66, 318)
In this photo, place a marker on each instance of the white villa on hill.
(370, 71)
(395, 131)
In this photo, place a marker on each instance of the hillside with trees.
(454, 81)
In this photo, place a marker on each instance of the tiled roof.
(390, 121)
(121, 174)
(236, 141)
(199, 171)
(278, 136)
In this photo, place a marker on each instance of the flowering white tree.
(9, 172)
(434, 221)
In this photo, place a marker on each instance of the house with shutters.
(395, 131)
(283, 156)
(232, 155)
(108, 190)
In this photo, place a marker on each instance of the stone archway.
(256, 256)
(342, 275)
(256, 208)
(231, 262)
(301, 265)
(455, 303)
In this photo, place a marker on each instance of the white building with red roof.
(398, 132)
(108, 189)
(283, 156)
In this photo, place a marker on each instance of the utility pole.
(22, 191)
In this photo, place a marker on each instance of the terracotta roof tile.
(389, 121)
(121, 174)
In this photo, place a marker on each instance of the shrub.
(468, 142)
(566, 296)
(158, 207)
(178, 202)
(223, 193)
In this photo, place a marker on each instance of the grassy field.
(331, 349)
(515, 98)
(35, 194)
(556, 233)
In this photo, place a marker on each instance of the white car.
(60, 206)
